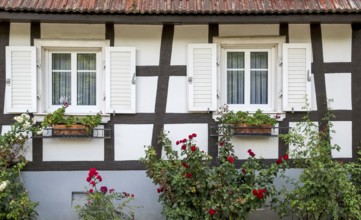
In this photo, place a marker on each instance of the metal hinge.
(190, 80)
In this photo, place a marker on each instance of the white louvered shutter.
(296, 77)
(120, 79)
(20, 87)
(201, 77)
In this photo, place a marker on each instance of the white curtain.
(86, 79)
(61, 78)
(235, 77)
(259, 78)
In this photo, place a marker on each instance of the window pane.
(86, 79)
(235, 77)
(61, 78)
(259, 78)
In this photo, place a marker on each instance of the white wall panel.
(72, 31)
(343, 138)
(336, 42)
(265, 147)
(184, 35)
(130, 139)
(181, 131)
(19, 34)
(28, 149)
(145, 38)
(299, 33)
(73, 149)
(338, 88)
(236, 30)
(177, 95)
(146, 94)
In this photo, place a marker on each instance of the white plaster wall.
(235, 30)
(293, 147)
(338, 88)
(177, 95)
(299, 33)
(184, 35)
(73, 149)
(343, 138)
(19, 34)
(53, 190)
(336, 42)
(264, 147)
(145, 38)
(72, 31)
(181, 131)
(28, 147)
(130, 140)
(146, 94)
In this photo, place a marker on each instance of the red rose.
(194, 135)
(104, 189)
(88, 179)
(264, 190)
(184, 147)
(185, 165)
(255, 192)
(250, 152)
(111, 190)
(285, 156)
(132, 195)
(244, 171)
(260, 195)
(230, 159)
(279, 161)
(177, 142)
(90, 190)
(212, 211)
(190, 136)
(92, 183)
(99, 178)
(188, 175)
(193, 148)
(221, 144)
(184, 140)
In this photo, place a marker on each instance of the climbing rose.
(244, 171)
(92, 183)
(90, 190)
(279, 161)
(88, 179)
(230, 159)
(193, 148)
(255, 192)
(184, 147)
(190, 136)
(99, 178)
(177, 142)
(285, 156)
(194, 135)
(212, 211)
(188, 175)
(250, 152)
(185, 164)
(104, 189)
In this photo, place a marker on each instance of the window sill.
(39, 117)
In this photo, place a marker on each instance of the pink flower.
(230, 159)
(193, 148)
(212, 211)
(104, 189)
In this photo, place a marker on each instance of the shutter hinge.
(38, 96)
(280, 62)
(104, 66)
(281, 94)
(38, 64)
(308, 76)
(8, 82)
(190, 80)
(133, 79)
(217, 61)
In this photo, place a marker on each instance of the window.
(249, 73)
(88, 74)
(73, 78)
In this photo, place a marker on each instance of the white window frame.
(44, 48)
(271, 44)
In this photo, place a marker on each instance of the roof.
(183, 6)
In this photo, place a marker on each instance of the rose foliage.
(190, 187)
(14, 198)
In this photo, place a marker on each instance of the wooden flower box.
(70, 130)
(253, 129)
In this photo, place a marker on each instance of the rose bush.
(14, 198)
(191, 188)
(104, 203)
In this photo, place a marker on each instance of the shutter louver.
(20, 79)
(202, 75)
(120, 80)
(296, 77)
